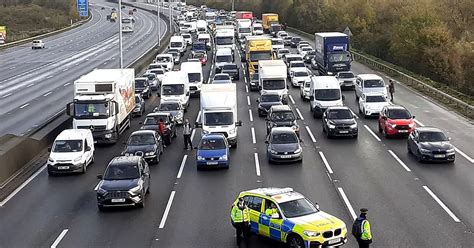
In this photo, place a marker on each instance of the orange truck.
(3, 34)
(267, 20)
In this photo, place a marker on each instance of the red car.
(396, 120)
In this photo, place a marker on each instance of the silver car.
(174, 108)
(222, 78)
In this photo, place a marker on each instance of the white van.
(178, 42)
(165, 60)
(175, 87)
(72, 151)
(324, 92)
(195, 78)
(201, 26)
(223, 56)
(206, 38)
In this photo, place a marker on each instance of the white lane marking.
(47, 94)
(246, 89)
(455, 218)
(348, 204)
(192, 134)
(257, 164)
(248, 100)
(325, 161)
(250, 115)
(254, 140)
(60, 237)
(199, 115)
(11, 68)
(299, 114)
(24, 105)
(354, 114)
(212, 67)
(65, 69)
(419, 123)
(66, 84)
(2, 203)
(245, 79)
(399, 160)
(372, 132)
(29, 85)
(291, 99)
(244, 72)
(50, 76)
(311, 134)
(7, 95)
(208, 79)
(167, 210)
(181, 168)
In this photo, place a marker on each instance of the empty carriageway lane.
(48, 89)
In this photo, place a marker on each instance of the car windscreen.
(282, 35)
(230, 67)
(277, 42)
(279, 116)
(339, 114)
(373, 83)
(91, 110)
(219, 119)
(122, 171)
(67, 146)
(398, 114)
(375, 99)
(141, 140)
(212, 144)
(221, 77)
(224, 40)
(284, 138)
(137, 99)
(176, 44)
(346, 75)
(432, 137)
(154, 120)
(157, 72)
(301, 74)
(297, 208)
(283, 51)
(327, 94)
(139, 84)
(194, 77)
(169, 106)
(255, 76)
(150, 76)
(270, 98)
(245, 30)
(172, 89)
(162, 59)
(306, 48)
(273, 84)
(256, 56)
(298, 64)
(223, 58)
(296, 39)
(339, 57)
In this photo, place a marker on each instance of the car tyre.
(418, 157)
(142, 203)
(409, 149)
(295, 241)
(101, 208)
(51, 173)
(84, 168)
(355, 136)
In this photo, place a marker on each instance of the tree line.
(433, 38)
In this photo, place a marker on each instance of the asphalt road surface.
(410, 204)
(37, 84)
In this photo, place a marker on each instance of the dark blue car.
(213, 152)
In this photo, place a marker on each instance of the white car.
(346, 79)
(281, 34)
(282, 52)
(305, 50)
(305, 90)
(301, 47)
(300, 76)
(188, 38)
(159, 72)
(277, 44)
(370, 104)
(37, 44)
(295, 65)
(166, 60)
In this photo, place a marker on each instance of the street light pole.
(233, 5)
(171, 14)
(158, 21)
(120, 33)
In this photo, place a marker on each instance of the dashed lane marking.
(399, 160)
(348, 204)
(257, 164)
(373, 134)
(292, 100)
(453, 216)
(167, 210)
(325, 161)
(250, 115)
(248, 100)
(254, 140)
(299, 114)
(181, 168)
(59, 238)
(311, 134)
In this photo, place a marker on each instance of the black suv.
(295, 41)
(339, 121)
(266, 101)
(254, 82)
(231, 69)
(145, 143)
(126, 182)
(282, 116)
(142, 87)
(152, 122)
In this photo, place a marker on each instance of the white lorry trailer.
(219, 111)
(272, 77)
(103, 102)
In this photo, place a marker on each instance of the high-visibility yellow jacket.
(237, 215)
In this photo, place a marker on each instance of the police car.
(295, 221)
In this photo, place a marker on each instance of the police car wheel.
(295, 242)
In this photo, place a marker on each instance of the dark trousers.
(187, 141)
(391, 96)
(242, 229)
(363, 243)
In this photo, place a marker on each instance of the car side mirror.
(413, 117)
(141, 123)
(311, 98)
(197, 125)
(258, 100)
(239, 123)
(259, 87)
(384, 117)
(266, 141)
(343, 97)
(187, 93)
(88, 149)
(100, 177)
(243, 59)
(449, 138)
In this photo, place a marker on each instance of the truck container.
(224, 37)
(219, 111)
(267, 20)
(103, 102)
(244, 15)
(256, 48)
(244, 28)
(272, 78)
(332, 52)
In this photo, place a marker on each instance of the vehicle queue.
(219, 121)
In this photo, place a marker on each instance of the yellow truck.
(257, 48)
(267, 20)
(3, 34)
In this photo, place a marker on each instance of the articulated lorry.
(332, 52)
(219, 111)
(256, 48)
(103, 102)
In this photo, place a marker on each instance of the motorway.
(410, 204)
(37, 84)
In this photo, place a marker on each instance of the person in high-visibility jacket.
(361, 229)
(271, 210)
(240, 217)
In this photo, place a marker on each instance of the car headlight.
(108, 136)
(450, 150)
(179, 115)
(232, 131)
(353, 125)
(150, 153)
(200, 158)
(223, 157)
(77, 159)
(51, 160)
(422, 150)
(298, 150)
(311, 233)
(411, 124)
(295, 128)
(101, 191)
(205, 132)
(392, 125)
(331, 126)
(135, 190)
(273, 152)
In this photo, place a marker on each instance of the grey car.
(139, 109)
(222, 78)
(174, 108)
(283, 145)
(145, 143)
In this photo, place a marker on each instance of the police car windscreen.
(297, 208)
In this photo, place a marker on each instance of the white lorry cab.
(206, 38)
(201, 26)
(272, 78)
(178, 42)
(219, 111)
(325, 92)
(257, 28)
(72, 151)
(175, 87)
(244, 28)
(223, 56)
(195, 78)
(103, 102)
(166, 61)
(224, 37)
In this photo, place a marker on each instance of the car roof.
(280, 108)
(125, 160)
(157, 114)
(70, 134)
(213, 136)
(270, 93)
(369, 76)
(282, 129)
(373, 94)
(429, 129)
(143, 132)
(339, 108)
(141, 78)
(169, 101)
(396, 107)
(278, 194)
(222, 74)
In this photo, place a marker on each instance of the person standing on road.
(161, 130)
(187, 129)
(361, 229)
(391, 89)
(240, 217)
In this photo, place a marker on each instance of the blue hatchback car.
(213, 152)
